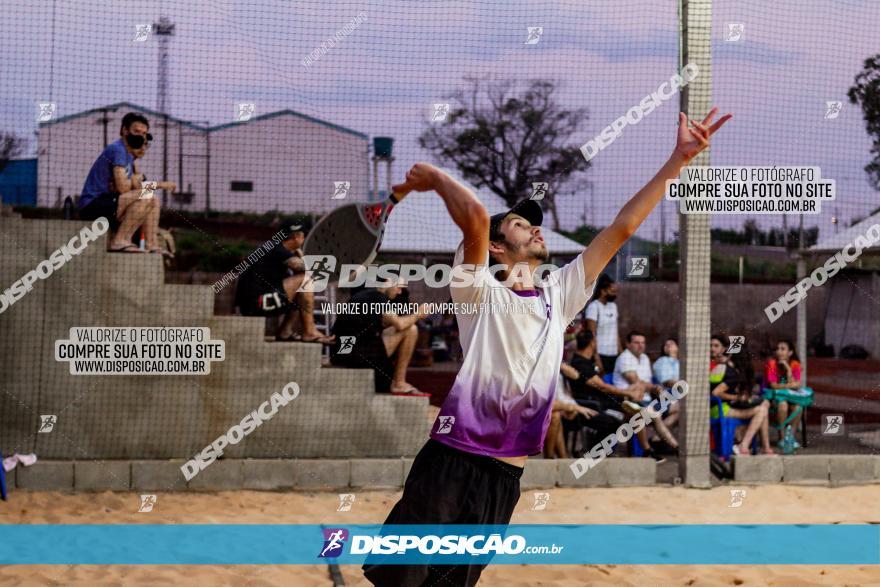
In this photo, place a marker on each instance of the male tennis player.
(498, 410)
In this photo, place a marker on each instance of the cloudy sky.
(606, 55)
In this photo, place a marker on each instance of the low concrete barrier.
(331, 474)
(834, 470)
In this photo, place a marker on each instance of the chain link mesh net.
(263, 112)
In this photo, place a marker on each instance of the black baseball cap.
(528, 209)
(294, 224)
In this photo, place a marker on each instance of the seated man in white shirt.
(634, 366)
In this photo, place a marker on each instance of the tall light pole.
(164, 29)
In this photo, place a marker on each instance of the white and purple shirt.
(501, 400)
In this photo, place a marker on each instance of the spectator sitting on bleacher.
(666, 372)
(634, 366)
(162, 236)
(113, 190)
(784, 372)
(666, 368)
(589, 390)
(366, 339)
(732, 380)
(268, 287)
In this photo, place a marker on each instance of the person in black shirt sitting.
(269, 283)
(368, 338)
(589, 390)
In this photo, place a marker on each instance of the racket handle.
(397, 197)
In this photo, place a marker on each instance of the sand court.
(769, 504)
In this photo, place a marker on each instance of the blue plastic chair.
(2, 479)
(724, 429)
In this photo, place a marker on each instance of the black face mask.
(135, 141)
(610, 298)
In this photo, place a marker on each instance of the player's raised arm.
(688, 145)
(463, 205)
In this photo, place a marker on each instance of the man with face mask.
(601, 318)
(113, 189)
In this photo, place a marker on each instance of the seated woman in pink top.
(784, 372)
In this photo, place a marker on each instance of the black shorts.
(104, 205)
(271, 303)
(449, 486)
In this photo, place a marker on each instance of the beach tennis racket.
(351, 233)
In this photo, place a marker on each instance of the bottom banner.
(134, 544)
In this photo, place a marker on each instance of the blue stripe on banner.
(215, 544)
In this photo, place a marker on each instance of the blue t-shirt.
(100, 178)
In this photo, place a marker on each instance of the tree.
(506, 141)
(11, 146)
(867, 93)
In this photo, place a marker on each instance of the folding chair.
(801, 398)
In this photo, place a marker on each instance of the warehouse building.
(283, 160)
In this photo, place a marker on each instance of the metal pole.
(375, 179)
(695, 255)
(389, 161)
(801, 233)
(801, 316)
(207, 172)
(785, 231)
(165, 159)
(180, 156)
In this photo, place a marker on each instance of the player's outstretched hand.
(420, 178)
(691, 141)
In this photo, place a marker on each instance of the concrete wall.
(298, 474)
(158, 417)
(653, 308)
(853, 314)
(736, 309)
(354, 474)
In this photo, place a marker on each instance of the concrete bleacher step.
(342, 425)
(350, 381)
(187, 303)
(158, 417)
(237, 330)
(306, 353)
